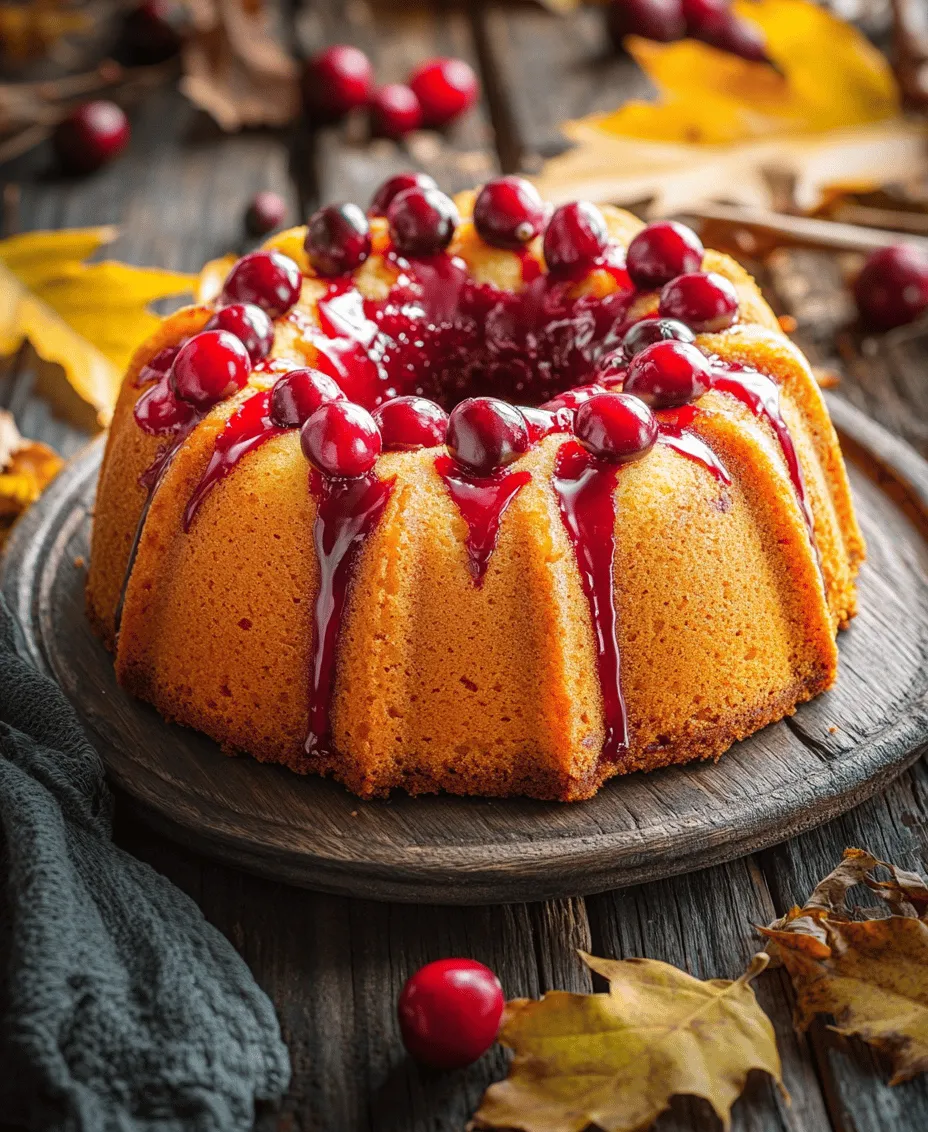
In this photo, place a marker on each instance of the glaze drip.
(482, 502)
(673, 430)
(348, 512)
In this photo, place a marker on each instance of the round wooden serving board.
(831, 755)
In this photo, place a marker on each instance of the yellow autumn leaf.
(26, 468)
(29, 30)
(615, 1060)
(86, 318)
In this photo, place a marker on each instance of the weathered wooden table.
(332, 965)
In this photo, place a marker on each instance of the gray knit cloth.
(121, 1008)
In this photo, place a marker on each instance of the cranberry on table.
(714, 22)
(299, 393)
(270, 280)
(449, 1012)
(392, 188)
(211, 366)
(406, 423)
(575, 238)
(545, 422)
(662, 251)
(341, 439)
(445, 89)
(668, 374)
(616, 426)
(148, 34)
(266, 211)
(485, 434)
(250, 325)
(508, 212)
(703, 300)
(572, 398)
(699, 14)
(338, 80)
(422, 221)
(338, 239)
(650, 330)
(395, 111)
(90, 136)
(892, 287)
(661, 20)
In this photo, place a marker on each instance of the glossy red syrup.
(247, 429)
(348, 511)
(673, 430)
(482, 502)
(585, 488)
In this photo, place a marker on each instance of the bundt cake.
(475, 496)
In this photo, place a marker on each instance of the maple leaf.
(615, 1060)
(727, 129)
(29, 30)
(26, 468)
(870, 974)
(86, 318)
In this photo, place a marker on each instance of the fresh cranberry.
(341, 439)
(266, 211)
(508, 212)
(546, 422)
(661, 20)
(616, 426)
(148, 34)
(411, 422)
(213, 365)
(704, 300)
(270, 280)
(716, 24)
(392, 187)
(449, 1012)
(299, 393)
(90, 136)
(661, 252)
(338, 80)
(157, 366)
(485, 434)
(445, 89)
(892, 287)
(651, 330)
(668, 374)
(422, 221)
(159, 410)
(572, 398)
(698, 14)
(338, 239)
(250, 325)
(575, 238)
(611, 369)
(395, 112)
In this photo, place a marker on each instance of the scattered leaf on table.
(615, 1060)
(870, 974)
(87, 318)
(234, 69)
(26, 468)
(27, 31)
(726, 129)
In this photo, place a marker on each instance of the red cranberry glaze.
(392, 187)
(266, 211)
(160, 412)
(250, 325)
(485, 434)
(211, 366)
(395, 111)
(575, 238)
(445, 89)
(268, 279)
(406, 423)
(661, 20)
(298, 394)
(508, 212)
(449, 1012)
(650, 330)
(422, 221)
(338, 80)
(341, 439)
(892, 287)
(616, 427)
(661, 252)
(90, 136)
(705, 301)
(612, 371)
(546, 422)
(338, 239)
(572, 399)
(668, 374)
(157, 366)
